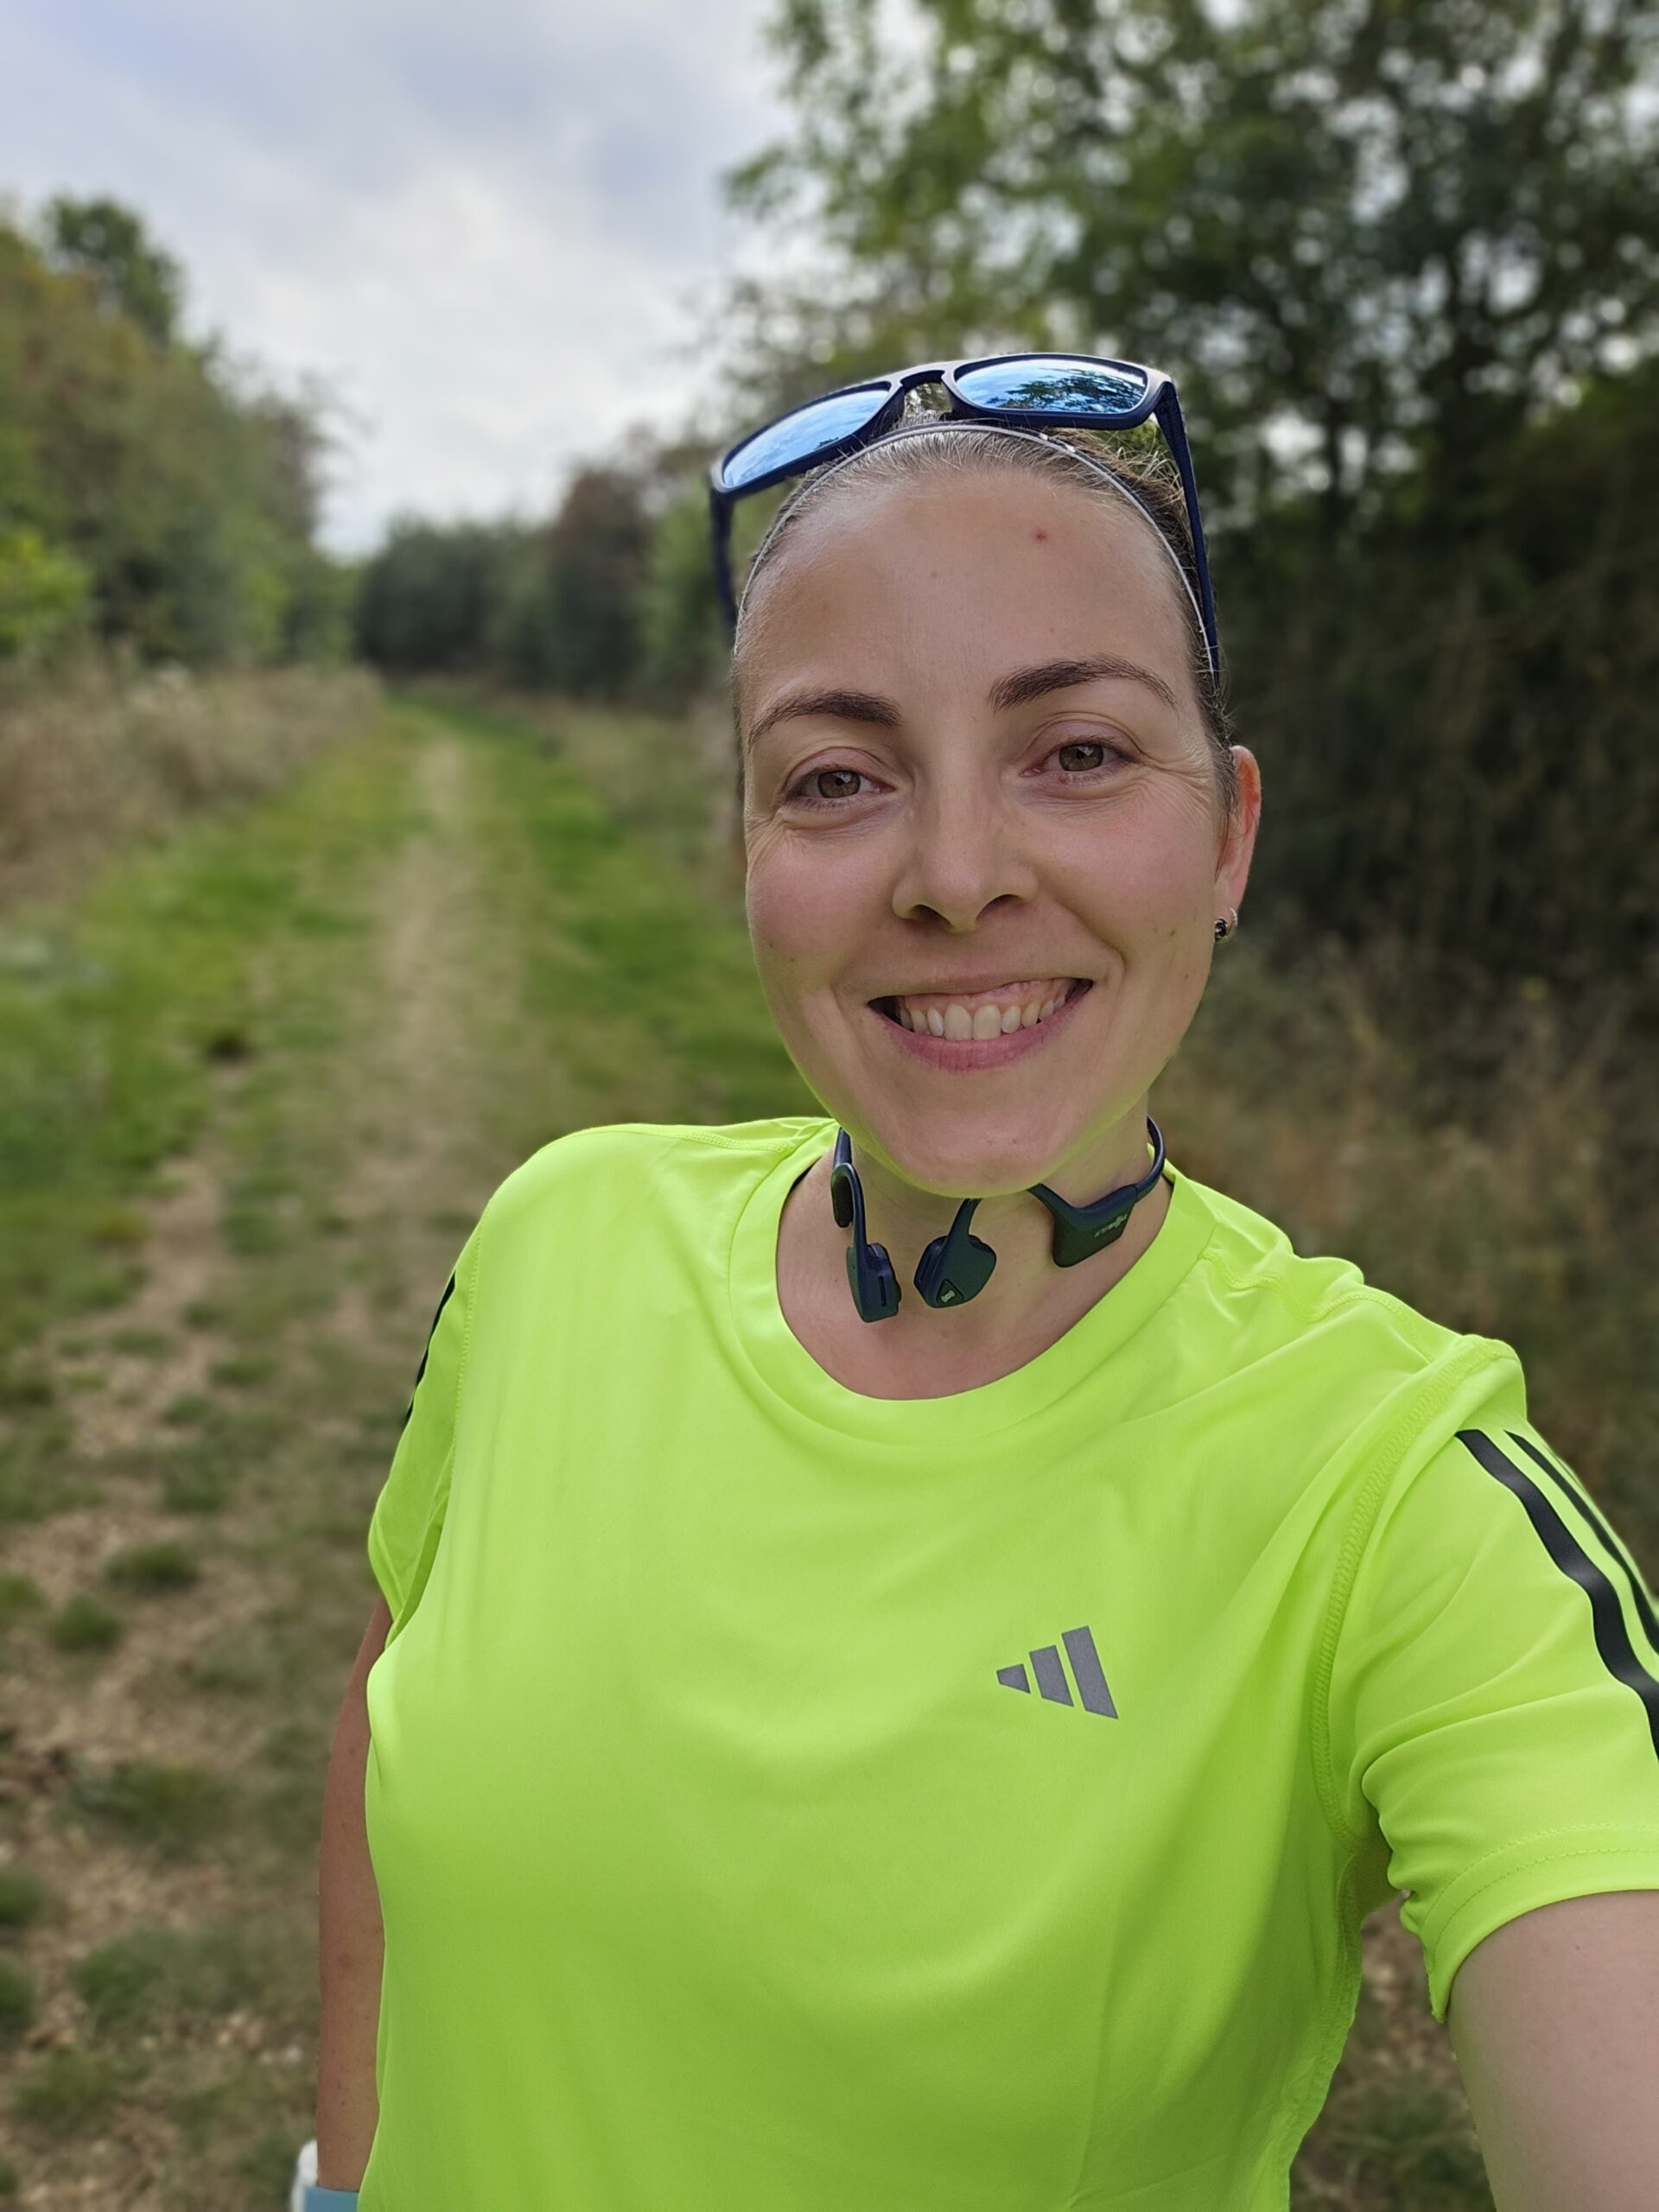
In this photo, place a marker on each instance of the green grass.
(81, 1624)
(149, 1569)
(131, 999)
(23, 1387)
(21, 1598)
(172, 1809)
(169, 1977)
(137, 1343)
(16, 1998)
(198, 1480)
(243, 1372)
(638, 970)
(66, 2093)
(24, 1897)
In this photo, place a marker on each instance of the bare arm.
(350, 1944)
(1554, 2017)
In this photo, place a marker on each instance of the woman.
(750, 1470)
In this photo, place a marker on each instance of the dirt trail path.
(397, 1157)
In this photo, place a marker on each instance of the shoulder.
(1315, 1331)
(619, 1169)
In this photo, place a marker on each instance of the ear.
(1237, 841)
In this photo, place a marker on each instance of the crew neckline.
(789, 1371)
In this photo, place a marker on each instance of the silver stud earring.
(1226, 924)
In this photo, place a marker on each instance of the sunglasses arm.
(1168, 411)
(720, 532)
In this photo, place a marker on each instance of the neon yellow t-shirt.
(787, 1801)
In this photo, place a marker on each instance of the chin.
(959, 1156)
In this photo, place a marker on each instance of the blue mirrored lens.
(806, 432)
(1041, 383)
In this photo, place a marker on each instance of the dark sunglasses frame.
(1158, 402)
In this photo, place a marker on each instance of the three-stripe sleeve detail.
(1612, 1635)
(1638, 1588)
(448, 1293)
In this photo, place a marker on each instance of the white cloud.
(485, 228)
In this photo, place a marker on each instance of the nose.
(966, 854)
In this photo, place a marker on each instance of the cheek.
(805, 913)
(1151, 890)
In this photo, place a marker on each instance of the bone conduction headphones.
(957, 1266)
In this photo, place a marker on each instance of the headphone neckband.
(955, 1268)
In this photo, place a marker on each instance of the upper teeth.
(992, 1013)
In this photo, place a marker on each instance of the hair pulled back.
(947, 446)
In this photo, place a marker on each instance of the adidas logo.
(1050, 1674)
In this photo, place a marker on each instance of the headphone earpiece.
(955, 1267)
(1080, 1231)
(869, 1271)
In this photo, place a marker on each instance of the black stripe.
(1638, 1588)
(448, 1293)
(1607, 1615)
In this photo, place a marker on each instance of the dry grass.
(106, 758)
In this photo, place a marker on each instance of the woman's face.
(977, 776)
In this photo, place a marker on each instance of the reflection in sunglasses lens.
(803, 434)
(1039, 384)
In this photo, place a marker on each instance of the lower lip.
(965, 1055)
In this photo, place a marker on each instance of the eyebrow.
(1015, 690)
(840, 706)
(1027, 683)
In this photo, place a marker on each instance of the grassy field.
(255, 1083)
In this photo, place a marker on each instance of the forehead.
(930, 589)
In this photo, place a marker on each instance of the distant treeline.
(610, 600)
(150, 496)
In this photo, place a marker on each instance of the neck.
(1028, 1304)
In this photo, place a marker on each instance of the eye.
(827, 787)
(1087, 756)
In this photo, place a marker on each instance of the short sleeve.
(408, 1516)
(1493, 1701)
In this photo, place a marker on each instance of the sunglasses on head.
(1029, 392)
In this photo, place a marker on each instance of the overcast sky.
(484, 223)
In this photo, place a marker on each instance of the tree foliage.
(1391, 230)
(129, 275)
(186, 495)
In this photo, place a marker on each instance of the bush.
(44, 594)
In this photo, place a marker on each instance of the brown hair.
(1071, 457)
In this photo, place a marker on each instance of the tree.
(595, 557)
(1388, 230)
(107, 244)
(427, 599)
(185, 493)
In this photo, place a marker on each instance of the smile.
(983, 1028)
